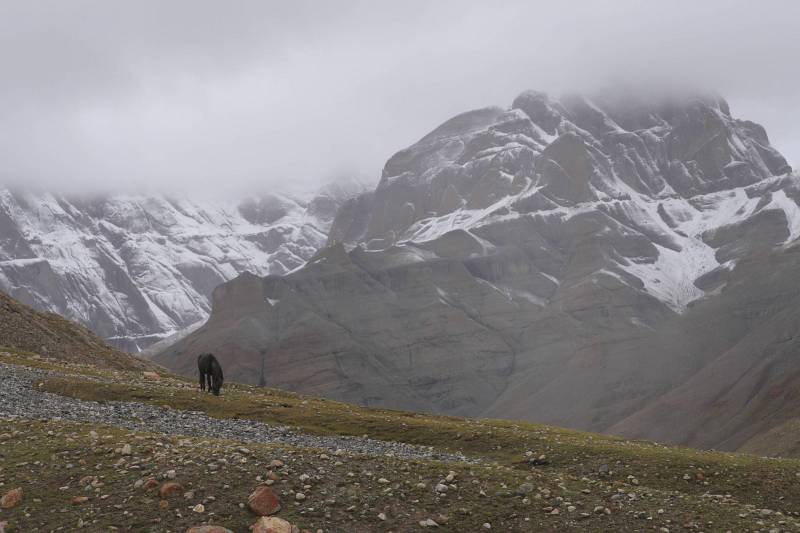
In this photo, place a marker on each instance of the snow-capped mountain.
(136, 269)
(570, 261)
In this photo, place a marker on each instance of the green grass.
(691, 488)
(763, 482)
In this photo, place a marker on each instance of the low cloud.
(216, 97)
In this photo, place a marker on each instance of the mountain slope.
(358, 469)
(569, 262)
(136, 269)
(49, 335)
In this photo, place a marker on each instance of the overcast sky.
(200, 96)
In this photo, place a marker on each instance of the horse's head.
(217, 385)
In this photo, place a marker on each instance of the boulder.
(263, 501)
(170, 489)
(273, 524)
(11, 498)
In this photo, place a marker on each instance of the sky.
(219, 97)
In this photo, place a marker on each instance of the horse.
(211, 371)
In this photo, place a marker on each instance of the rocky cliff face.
(136, 269)
(576, 262)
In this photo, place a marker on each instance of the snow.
(671, 276)
(143, 266)
(790, 209)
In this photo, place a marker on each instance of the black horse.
(210, 370)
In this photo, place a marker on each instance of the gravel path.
(18, 398)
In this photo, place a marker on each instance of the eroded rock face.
(136, 269)
(557, 261)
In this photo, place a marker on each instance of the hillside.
(136, 269)
(49, 335)
(130, 463)
(618, 263)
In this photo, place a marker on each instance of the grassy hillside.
(527, 477)
(23, 328)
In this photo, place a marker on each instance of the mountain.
(47, 334)
(621, 262)
(137, 269)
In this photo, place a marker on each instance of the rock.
(126, 450)
(208, 529)
(263, 501)
(276, 463)
(11, 498)
(428, 522)
(382, 516)
(525, 488)
(541, 460)
(487, 525)
(300, 497)
(170, 489)
(440, 488)
(79, 500)
(151, 375)
(272, 524)
(383, 481)
(150, 484)
(199, 508)
(170, 474)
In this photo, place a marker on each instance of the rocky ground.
(84, 449)
(20, 398)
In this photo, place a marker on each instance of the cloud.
(210, 96)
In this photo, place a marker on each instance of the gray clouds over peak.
(210, 95)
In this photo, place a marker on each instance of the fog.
(217, 97)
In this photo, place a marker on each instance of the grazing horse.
(210, 370)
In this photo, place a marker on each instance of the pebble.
(19, 399)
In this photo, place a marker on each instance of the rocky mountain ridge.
(139, 268)
(569, 261)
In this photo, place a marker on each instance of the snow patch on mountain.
(138, 268)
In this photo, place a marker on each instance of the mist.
(211, 97)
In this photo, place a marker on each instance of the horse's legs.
(209, 376)
(202, 381)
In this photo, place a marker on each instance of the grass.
(690, 487)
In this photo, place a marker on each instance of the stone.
(79, 500)
(11, 498)
(263, 501)
(440, 487)
(300, 497)
(126, 450)
(150, 484)
(272, 524)
(208, 529)
(170, 489)
(525, 488)
(151, 375)
(199, 508)
(428, 522)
